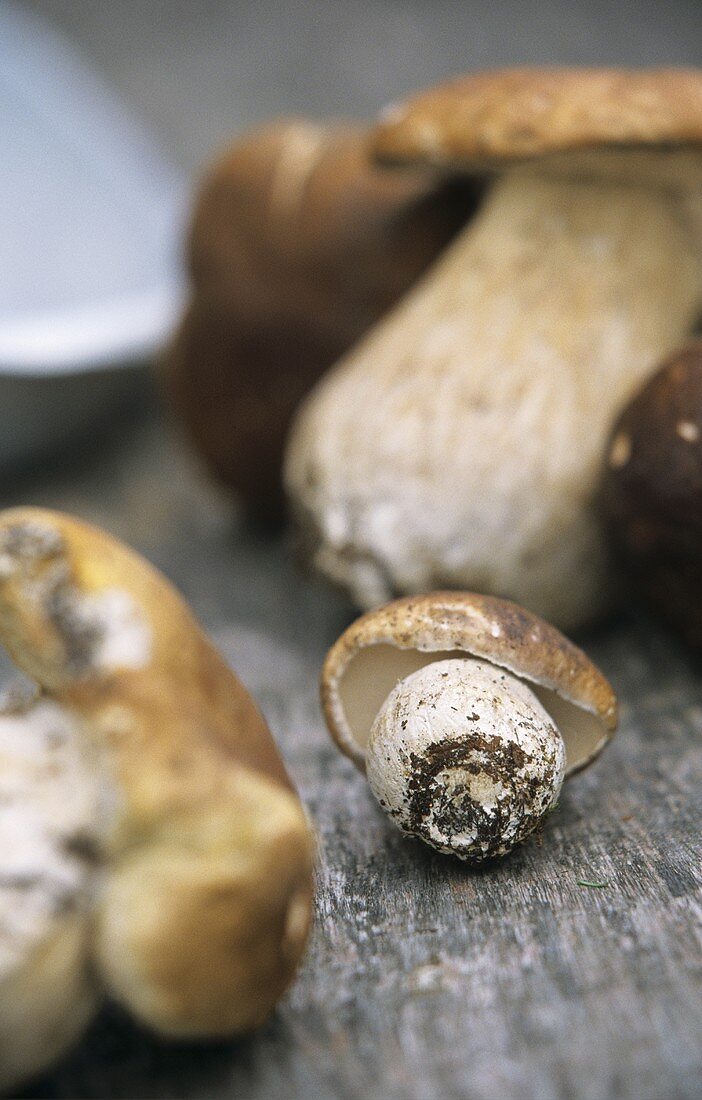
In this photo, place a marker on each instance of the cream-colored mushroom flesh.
(460, 443)
(374, 671)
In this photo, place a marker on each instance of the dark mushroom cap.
(387, 644)
(300, 242)
(508, 115)
(652, 490)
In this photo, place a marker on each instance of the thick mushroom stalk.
(464, 756)
(148, 833)
(460, 443)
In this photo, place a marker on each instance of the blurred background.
(110, 112)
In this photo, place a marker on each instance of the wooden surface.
(425, 979)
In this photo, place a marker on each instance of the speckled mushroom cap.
(392, 641)
(496, 118)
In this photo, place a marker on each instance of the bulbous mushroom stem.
(459, 445)
(464, 756)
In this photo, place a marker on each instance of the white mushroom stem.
(460, 444)
(464, 756)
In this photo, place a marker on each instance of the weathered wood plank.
(424, 978)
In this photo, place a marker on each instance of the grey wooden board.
(424, 978)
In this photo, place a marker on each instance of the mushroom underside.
(374, 670)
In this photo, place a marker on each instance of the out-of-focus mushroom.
(151, 845)
(299, 244)
(652, 491)
(459, 444)
(466, 713)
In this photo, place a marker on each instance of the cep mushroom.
(459, 444)
(466, 713)
(299, 244)
(652, 492)
(151, 845)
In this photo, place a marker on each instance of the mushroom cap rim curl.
(418, 630)
(496, 118)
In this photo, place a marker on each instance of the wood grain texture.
(426, 979)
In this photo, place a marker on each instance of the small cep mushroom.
(151, 845)
(459, 444)
(652, 491)
(299, 244)
(466, 713)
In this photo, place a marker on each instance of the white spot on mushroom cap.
(393, 113)
(301, 148)
(620, 451)
(687, 431)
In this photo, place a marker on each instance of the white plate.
(91, 221)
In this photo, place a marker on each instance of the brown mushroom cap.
(299, 244)
(387, 644)
(495, 118)
(652, 491)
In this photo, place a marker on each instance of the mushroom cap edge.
(498, 117)
(485, 627)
